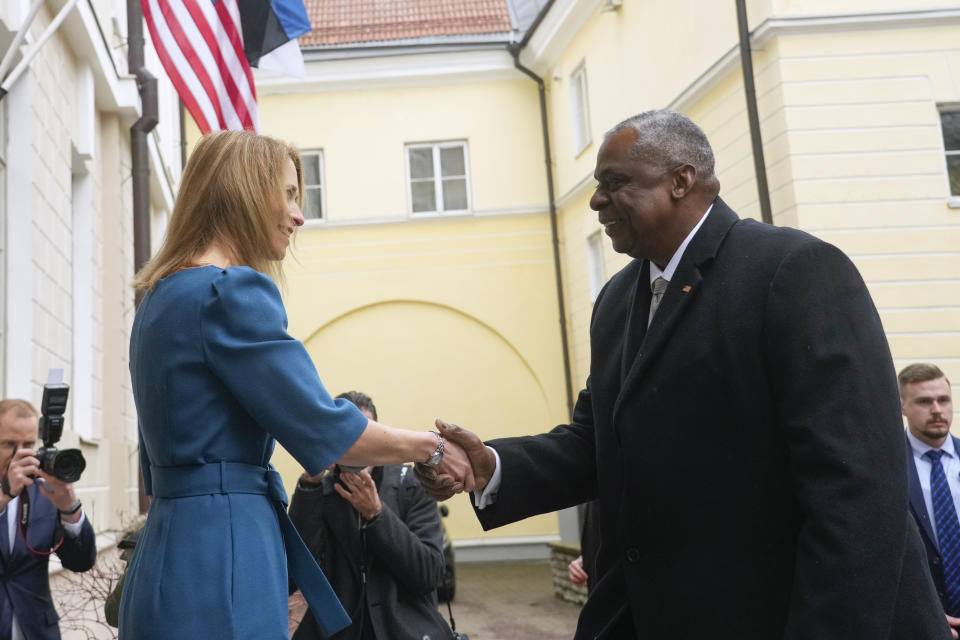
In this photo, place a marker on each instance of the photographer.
(378, 538)
(55, 524)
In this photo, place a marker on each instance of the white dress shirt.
(951, 468)
(667, 272)
(489, 494)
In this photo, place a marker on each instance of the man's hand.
(61, 494)
(576, 573)
(482, 459)
(456, 464)
(954, 623)
(314, 481)
(440, 484)
(23, 465)
(360, 491)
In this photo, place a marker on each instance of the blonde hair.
(230, 192)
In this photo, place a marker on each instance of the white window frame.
(3, 243)
(596, 270)
(438, 178)
(953, 199)
(580, 109)
(81, 396)
(322, 187)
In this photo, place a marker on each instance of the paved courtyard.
(510, 601)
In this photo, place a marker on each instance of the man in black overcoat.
(742, 439)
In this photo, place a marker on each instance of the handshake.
(467, 464)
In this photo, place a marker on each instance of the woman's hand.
(455, 468)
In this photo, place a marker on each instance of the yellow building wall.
(452, 318)
(363, 134)
(867, 167)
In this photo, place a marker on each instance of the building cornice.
(394, 70)
(567, 17)
(778, 27)
(406, 218)
(552, 36)
(115, 92)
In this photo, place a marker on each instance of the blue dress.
(216, 378)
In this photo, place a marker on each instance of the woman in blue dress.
(216, 379)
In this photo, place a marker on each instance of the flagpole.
(35, 49)
(18, 39)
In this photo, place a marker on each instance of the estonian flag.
(207, 48)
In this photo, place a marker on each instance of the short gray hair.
(667, 139)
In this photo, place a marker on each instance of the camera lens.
(66, 465)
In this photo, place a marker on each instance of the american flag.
(207, 48)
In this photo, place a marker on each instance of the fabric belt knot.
(275, 488)
(226, 477)
(948, 532)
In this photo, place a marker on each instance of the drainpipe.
(514, 50)
(139, 149)
(139, 155)
(746, 63)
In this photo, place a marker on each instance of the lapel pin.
(686, 288)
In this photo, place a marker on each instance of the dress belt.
(237, 477)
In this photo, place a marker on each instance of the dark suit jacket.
(23, 574)
(401, 553)
(748, 462)
(925, 521)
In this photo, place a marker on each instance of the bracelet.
(72, 510)
(437, 456)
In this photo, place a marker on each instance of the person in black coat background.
(740, 431)
(378, 538)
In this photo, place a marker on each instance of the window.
(82, 398)
(313, 203)
(437, 177)
(3, 226)
(950, 123)
(595, 267)
(580, 110)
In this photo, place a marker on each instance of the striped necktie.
(658, 287)
(948, 532)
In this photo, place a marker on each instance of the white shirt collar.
(920, 447)
(667, 273)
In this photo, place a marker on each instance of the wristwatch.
(437, 456)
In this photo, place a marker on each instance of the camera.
(66, 465)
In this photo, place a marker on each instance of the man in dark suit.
(927, 404)
(739, 431)
(55, 521)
